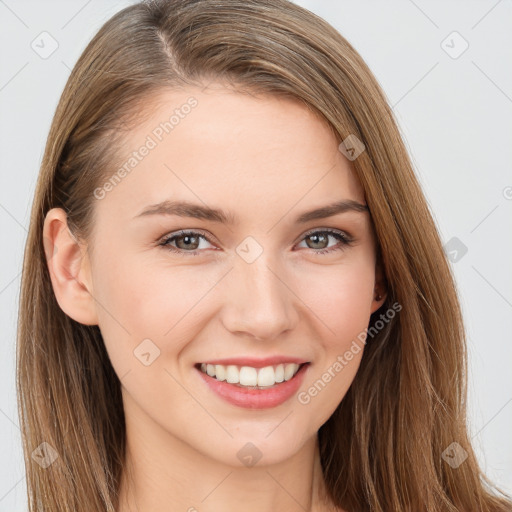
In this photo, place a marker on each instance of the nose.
(259, 302)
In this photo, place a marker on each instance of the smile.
(250, 387)
(248, 376)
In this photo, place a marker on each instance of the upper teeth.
(249, 376)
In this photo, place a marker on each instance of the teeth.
(232, 375)
(279, 373)
(220, 372)
(266, 376)
(289, 371)
(249, 376)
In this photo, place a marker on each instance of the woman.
(184, 342)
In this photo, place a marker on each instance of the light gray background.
(455, 115)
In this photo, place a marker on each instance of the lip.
(256, 362)
(251, 398)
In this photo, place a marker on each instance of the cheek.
(143, 294)
(340, 297)
(139, 299)
(342, 307)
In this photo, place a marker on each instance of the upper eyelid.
(183, 232)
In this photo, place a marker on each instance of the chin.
(258, 446)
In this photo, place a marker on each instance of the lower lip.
(256, 398)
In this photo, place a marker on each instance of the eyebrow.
(197, 211)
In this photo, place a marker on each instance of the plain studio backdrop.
(446, 70)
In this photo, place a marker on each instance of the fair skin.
(266, 160)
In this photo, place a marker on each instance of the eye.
(189, 241)
(320, 237)
(184, 240)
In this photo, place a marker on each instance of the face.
(261, 287)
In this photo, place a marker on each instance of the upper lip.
(256, 362)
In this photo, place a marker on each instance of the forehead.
(219, 146)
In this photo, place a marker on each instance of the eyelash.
(345, 240)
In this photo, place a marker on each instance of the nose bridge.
(259, 302)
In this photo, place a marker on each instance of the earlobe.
(378, 300)
(380, 291)
(68, 266)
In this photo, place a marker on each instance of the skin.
(265, 159)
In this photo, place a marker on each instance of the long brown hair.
(381, 450)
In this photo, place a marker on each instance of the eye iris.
(316, 236)
(188, 245)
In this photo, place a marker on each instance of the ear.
(69, 269)
(380, 289)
